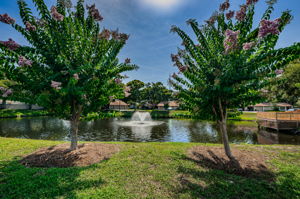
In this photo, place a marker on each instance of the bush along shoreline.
(156, 114)
(7, 113)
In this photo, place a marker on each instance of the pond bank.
(8, 113)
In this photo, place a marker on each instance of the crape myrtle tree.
(71, 65)
(229, 61)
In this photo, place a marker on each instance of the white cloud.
(163, 5)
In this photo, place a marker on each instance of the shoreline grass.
(144, 170)
(8, 113)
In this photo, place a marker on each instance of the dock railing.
(282, 116)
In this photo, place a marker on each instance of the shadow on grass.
(18, 181)
(209, 181)
(213, 161)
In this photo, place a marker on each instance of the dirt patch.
(248, 163)
(62, 156)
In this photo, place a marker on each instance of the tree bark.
(3, 104)
(76, 112)
(223, 128)
(222, 121)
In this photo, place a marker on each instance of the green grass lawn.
(248, 116)
(245, 116)
(144, 170)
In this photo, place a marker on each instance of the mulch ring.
(62, 156)
(248, 163)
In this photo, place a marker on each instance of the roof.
(263, 104)
(170, 103)
(270, 104)
(173, 103)
(118, 103)
(283, 104)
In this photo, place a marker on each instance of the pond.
(168, 130)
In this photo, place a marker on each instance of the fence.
(283, 116)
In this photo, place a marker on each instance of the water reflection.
(169, 131)
(266, 137)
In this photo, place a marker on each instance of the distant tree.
(156, 92)
(71, 65)
(230, 61)
(135, 91)
(285, 87)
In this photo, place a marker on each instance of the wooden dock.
(280, 121)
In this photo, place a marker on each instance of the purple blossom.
(56, 85)
(175, 58)
(10, 44)
(76, 76)
(248, 46)
(5, 18)
(279, 71)
(182, 68)
(29, 26)
(231, 40)
(105, 34)
(241, 14)
(229, 15)
(174, 75)
(118, 81)
(249, 2)
(127, 61)
(94, 12)
(115, 34)
(123, 37)
(56, 15)
(211, 20)
(269, 27)
(24, 62)
(6, 92)
(224, 6)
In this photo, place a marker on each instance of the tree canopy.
(71, 66)
(150, 93)
(285, 86)
(230, 60)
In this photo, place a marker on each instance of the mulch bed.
(62, 156)
(248, 163)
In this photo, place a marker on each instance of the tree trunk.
(3, 105)
(74, 125)
(223, 127)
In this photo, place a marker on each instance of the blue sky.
(148, 22)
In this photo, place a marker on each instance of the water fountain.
(140, 119)
(141, 125)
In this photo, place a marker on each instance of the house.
(161, 106)
(15, 105)
(118, 105)
(172, 105)
(271, 106)
(284, 106)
